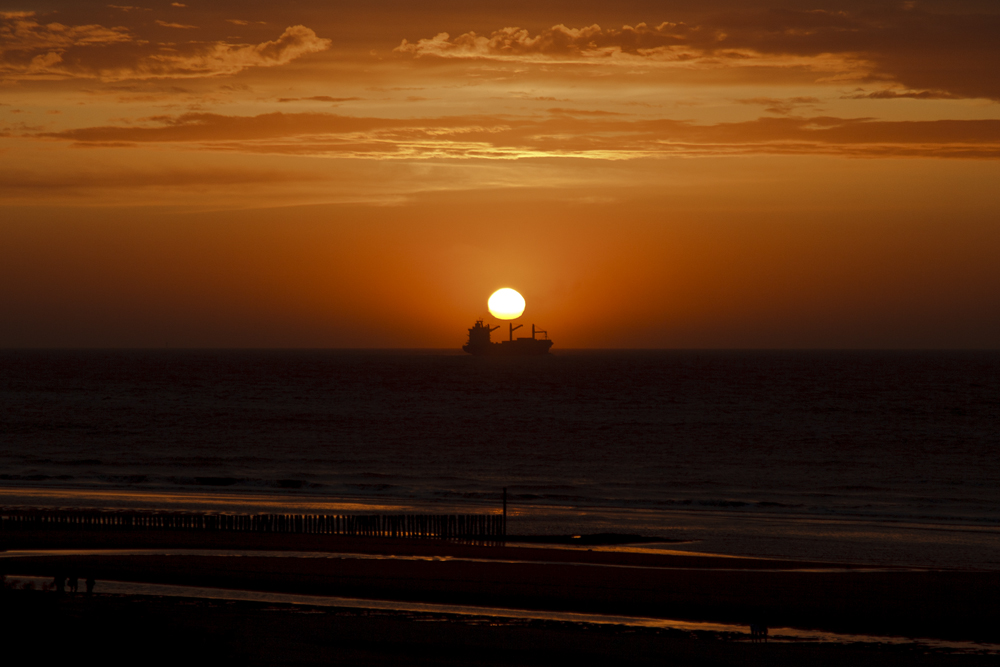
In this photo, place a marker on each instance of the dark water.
(889, 449)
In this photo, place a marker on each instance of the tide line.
(333, 555)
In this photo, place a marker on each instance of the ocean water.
(871, 456)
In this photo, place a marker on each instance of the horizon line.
(459, 352)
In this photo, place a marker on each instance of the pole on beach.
(504, 528)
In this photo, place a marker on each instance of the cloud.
(552, 135)
(29, 49)
(668, 40)
(22, 35)
(21, 179)
(897, 94)
(318, 98)
(209, 127)
(782, 107)
(530, 97)
(942, 54)
(922, 50)
(165, 24)
(583, 112)
(146, 182)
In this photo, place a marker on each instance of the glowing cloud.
(29, 49)
(938, 56)
(595, 137)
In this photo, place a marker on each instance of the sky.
(712, 174)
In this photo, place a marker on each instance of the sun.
(506, 304)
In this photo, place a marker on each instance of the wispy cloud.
(166, 24)
(891, 94)
(555, 135)
(780, 106)
(665, 43)
(318, 98)
(583, 112)
(29, 49)
(929, 53)
(22, 35)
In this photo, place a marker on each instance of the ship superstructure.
(480, 343)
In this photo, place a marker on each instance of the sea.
(885, 458)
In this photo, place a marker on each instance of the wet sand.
(934, 604)
(121, 630)
(179, 539)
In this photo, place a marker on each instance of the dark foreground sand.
(120, 630)
(945, 605)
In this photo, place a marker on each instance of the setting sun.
(506, 304)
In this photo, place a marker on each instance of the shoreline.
(20, 540)
(846, 540)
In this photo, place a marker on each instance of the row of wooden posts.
(478, 527)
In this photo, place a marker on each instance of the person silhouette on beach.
(90, 585)
(74, 583)
(60, 584)
(758, 633)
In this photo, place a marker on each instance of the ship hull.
(522, 347)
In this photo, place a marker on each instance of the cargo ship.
(480, 344)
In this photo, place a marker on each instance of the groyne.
(487, 527)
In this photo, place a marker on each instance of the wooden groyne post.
(505, 507)
(475, 528)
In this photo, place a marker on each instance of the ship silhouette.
(480, 344)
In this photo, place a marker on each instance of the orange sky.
(652, 174)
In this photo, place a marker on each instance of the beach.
(823, 597)
(176, 631)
